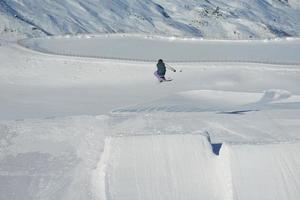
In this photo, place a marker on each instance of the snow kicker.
(176, 167)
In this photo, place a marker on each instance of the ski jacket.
(161, 68)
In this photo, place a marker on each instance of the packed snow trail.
(171, 49)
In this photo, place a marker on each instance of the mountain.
(208, 18)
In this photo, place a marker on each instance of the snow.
(276, 162)
(144, 48)
(209, 19)
(153, 164)
(218, 101)
(103, 129)
(50, 158)
(183, 167)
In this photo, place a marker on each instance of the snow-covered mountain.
(206, 18)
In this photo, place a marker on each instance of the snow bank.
(218, 101)
(275, 95)
(142, 48)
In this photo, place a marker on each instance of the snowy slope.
(26, 74)
(268, 162)
(10, 27)
(184, 167)
(171, 49)
(165, 167)
(74, 128)
(209, 18)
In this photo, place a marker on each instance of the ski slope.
(104, 129)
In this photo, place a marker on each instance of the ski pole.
(171, 68)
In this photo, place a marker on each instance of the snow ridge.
(101, 172)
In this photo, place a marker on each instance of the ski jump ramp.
(177, 167)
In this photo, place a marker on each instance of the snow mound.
(151, 48)
(163, 167)
(172, 167)
(217, 101)
(275, 95)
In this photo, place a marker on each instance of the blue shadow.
(216, 148)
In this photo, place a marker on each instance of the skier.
(161, 71)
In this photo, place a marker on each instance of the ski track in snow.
(148, 147)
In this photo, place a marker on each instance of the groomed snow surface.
(89, 128)
(184, 167)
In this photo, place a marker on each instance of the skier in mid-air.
(161, 71)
